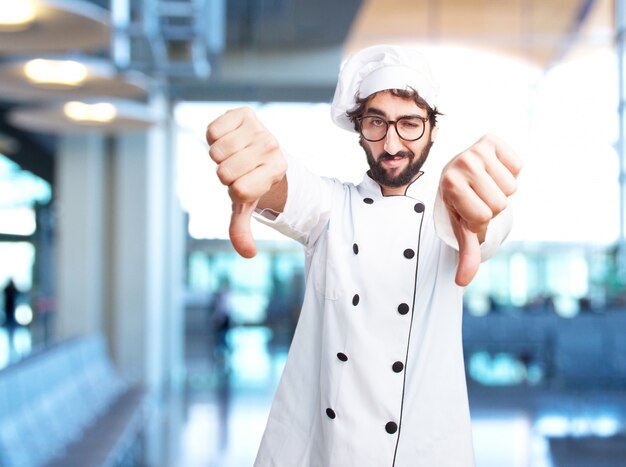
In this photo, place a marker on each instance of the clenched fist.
(475, 187)
(252, 166)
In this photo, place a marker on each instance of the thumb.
(469, 252)
(239, 231)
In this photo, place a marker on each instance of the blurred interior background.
(113, 224)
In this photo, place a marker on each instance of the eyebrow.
(375, 111)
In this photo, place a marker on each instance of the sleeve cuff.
(498, 229)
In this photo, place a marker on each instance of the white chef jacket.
(375, 374)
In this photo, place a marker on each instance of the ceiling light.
(85, 116)
(53, 73)
(90, 113)
(16, 15)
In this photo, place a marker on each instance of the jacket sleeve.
(308, 206)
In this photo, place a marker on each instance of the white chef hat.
(376, 69)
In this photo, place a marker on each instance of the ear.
(433, 133)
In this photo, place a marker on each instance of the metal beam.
(15, 238)
(620, 44)
(207, 91)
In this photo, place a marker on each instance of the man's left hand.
(475, 187)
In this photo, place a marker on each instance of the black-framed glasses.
(374, 128)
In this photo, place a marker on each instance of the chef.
(375, 373)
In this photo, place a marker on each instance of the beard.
(406, 176)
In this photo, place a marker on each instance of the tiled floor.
(512, 427)
(218, 418)
(207, 439)
(222, 418)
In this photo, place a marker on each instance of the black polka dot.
(331, 414)
(355, 299)
(355, 248)
(403, 308)
(419, 207)
(342, 356)
(391, 427)
(368, 200)
(408, 253)
(397, 367)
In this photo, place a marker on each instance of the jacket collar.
(419, 189)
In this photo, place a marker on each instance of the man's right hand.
(251, 164)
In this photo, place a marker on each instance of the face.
(394, 162)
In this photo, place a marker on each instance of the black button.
(398, 367)
(331, 414)
(368, 201)
(403, 308)
(408, 253)
(419, 207)
(342, 356)
(391, 428)
(355, 300)
(355, 248)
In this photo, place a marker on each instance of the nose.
(393, 143)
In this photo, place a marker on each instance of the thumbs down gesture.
(475, 187)
(252, 166)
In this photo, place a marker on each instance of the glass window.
(17, 262)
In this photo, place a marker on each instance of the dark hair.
(408, 93)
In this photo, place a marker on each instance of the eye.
(410, 123)
(377, 122)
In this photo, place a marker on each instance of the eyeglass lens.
(375, 128)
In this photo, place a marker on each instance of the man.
(10, 301)
(375, 372)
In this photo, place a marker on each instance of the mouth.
(392, 161)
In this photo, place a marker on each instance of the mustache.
(385, 156)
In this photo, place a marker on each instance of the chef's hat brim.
(376, 69)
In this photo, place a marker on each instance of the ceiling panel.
(60, 26)
(534, 30)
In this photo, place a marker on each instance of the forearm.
(303, 212)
